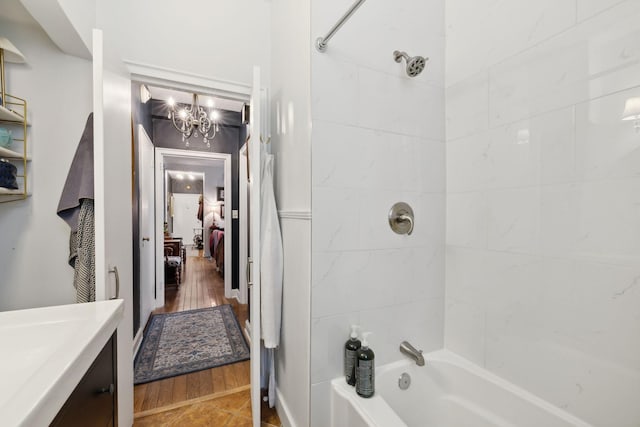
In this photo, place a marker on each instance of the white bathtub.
(448, 391)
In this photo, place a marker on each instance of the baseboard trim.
(137, 342)
(283, 410)
(235, 293)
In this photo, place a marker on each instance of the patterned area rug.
(189, 341)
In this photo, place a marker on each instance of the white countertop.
(45, 352)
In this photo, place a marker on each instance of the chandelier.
(194, 120)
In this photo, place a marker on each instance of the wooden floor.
(202, 286)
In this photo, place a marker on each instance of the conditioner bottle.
(351, 356)
(365, 369)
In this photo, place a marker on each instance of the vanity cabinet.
(94, 400)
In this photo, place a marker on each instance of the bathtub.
(448, 391)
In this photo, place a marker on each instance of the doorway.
(217, 214)
(248, 94)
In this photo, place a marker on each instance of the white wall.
(220, 39)
(291, 145)
(378, 138)
(35, 241)
(543, 233)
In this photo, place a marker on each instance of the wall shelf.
(9, 154)
(15, 120)
(8, 116)
(7, 192)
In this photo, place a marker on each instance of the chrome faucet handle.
(406, 218)
(401, 218)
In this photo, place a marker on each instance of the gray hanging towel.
(76, 208)
(79, 184)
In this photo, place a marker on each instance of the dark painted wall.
(141, 114)
(228, 140)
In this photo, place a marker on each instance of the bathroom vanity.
(59, 365)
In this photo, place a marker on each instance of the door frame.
(160, 155)
(243, 224)
(185, 81)
(151, 301)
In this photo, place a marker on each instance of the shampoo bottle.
(365, 369)
(351, 356)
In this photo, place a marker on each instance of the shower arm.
(321, 42)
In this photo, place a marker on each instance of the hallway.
(212, 394)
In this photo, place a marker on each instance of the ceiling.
(185, 163)
(163, 94)
(14, 11)
(197, 176)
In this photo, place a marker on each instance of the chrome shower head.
(415, 64)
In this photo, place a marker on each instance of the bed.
(216, 246)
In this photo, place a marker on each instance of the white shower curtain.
(271, 271)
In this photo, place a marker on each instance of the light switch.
(234, 214)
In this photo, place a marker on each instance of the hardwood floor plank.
(165, 395)
(242, 372)
(151, 396)
(206, 382)
(138, 397)
(179, 388)
(193, 385)
(218, 380)
(230, 376)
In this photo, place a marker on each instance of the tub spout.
(412, 352)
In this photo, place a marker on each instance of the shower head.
(415, 64)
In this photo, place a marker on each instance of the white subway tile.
(467, 219)
(537, 81)
(559, 228)
(358, 280)
(328, 336)
(607, 147)
(555, 134)
(514, 156)
(334, 90)
(353, 157)
(468, 164)
(467, 106)
(336, 218)
(396, 104)
(464, 329)
(607, 218)
(485, 32)
(419, 322)
(589, 8)
(514, 220)
(595, 58)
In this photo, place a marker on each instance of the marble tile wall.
(543, 196)
(377, 138)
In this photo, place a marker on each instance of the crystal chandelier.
(194, 120)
